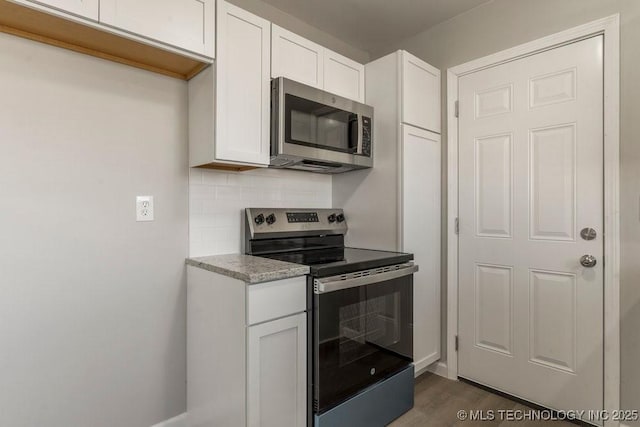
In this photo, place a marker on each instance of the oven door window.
(321, 126)
(361, 336)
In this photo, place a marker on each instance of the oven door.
(362, 331)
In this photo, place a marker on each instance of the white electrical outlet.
(144, 208)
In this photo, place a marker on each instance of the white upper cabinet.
(304, 61)
(84, 8)
(420, 93)
(343, 76)
(243, 86)
(296, 58)
(186, 24)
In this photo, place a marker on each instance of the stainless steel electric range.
(360, 306)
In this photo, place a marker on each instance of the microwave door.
(313, 124)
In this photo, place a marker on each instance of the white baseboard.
(179, 421)
(439, 368)
(420, 366)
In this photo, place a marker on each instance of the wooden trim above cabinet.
(227, 167)
(54, 30)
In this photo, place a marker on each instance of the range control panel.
(264, 221)
(302, 217)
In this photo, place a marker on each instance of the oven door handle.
(364, 278)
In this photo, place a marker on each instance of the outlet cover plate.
(144, 208)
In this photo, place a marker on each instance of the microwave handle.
(360, 133)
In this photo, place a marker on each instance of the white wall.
(92, 304)
(217, 200)
(502, 24)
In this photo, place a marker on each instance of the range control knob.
(259, 219)
(271, 219)
(340, 217)
(332, 218)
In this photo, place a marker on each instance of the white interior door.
(530, 179)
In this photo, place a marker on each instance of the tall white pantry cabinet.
(405, 93)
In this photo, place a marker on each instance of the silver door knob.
(588, 261)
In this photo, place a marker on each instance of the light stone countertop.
(249, 269)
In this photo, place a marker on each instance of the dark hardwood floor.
(438, 400)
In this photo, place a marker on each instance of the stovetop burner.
(332, 261)
(313, 237)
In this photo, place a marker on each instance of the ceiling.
(372, 25)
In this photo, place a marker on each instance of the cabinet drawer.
(270, 300)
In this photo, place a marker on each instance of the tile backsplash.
(217, 200)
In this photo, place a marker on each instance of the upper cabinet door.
(343, 76)
(420, 93)
(187, 24)
(84, 8)
(296, 58)
(243, 86)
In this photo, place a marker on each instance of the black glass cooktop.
(331, 261)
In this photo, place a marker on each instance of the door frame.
(610, 28)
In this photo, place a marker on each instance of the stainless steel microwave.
(318, 131)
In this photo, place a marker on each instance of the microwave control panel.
(366, 136)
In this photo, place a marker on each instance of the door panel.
(531, 177)
(494, 189)
(494, 308)
(552, 177)
(552, 323)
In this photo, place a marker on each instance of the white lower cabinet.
(246, 351)
(276, 373)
